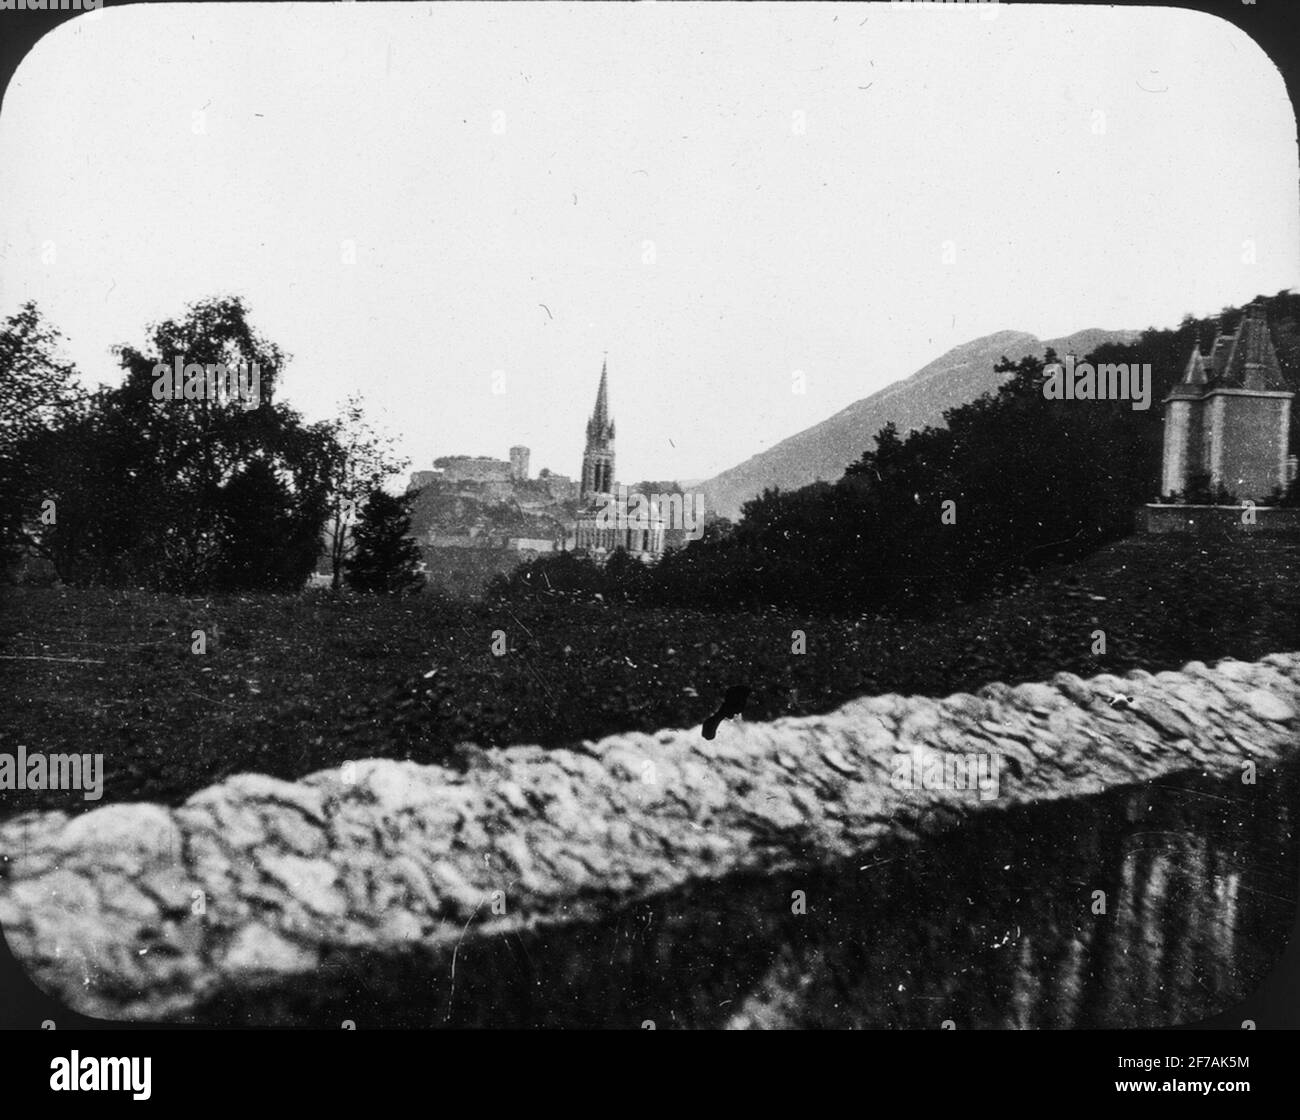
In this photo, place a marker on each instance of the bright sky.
(718, 195)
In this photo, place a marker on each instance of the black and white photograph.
(648, 516)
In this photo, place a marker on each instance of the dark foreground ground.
(292, 684)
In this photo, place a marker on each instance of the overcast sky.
(718, 195)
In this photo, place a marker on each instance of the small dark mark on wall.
(732, 704)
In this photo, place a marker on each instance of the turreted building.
(1227, 423)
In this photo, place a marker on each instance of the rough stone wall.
(660, 877)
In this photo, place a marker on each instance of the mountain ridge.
(823, 451)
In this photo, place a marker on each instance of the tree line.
(127, 487)
(117, 487)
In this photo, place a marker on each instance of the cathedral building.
(1228, 420)
(606, 519)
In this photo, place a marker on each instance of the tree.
(877, 462)
(265, 546)
(625, 575)
(36, 391)
(558, 576)
(385, 559)
(172, 493)
(365, 462)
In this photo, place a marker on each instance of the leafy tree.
(265, 546)
(164, 492)
(385, 559)
(99, 479)
(556, 577)
(37, 389)
(625, 575)
(364, 463)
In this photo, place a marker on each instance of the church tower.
(598, 456)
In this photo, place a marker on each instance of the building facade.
(1228, 422)
(608, 518)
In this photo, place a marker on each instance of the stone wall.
(465, 468)
(779, 875)
(1253, 442)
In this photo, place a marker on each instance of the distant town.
(475, 516)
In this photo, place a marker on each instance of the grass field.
(291, 684)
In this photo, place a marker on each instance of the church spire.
(598, 456)
(600, 422)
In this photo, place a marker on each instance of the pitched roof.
(1252, 362)
(1244, 359)
(1219, 354)
(1194, 377)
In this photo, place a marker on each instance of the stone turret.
(1229, 418)
(519, 463)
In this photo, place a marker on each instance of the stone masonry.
(649, 878)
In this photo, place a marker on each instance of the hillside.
(464, 530)
(824, 450)
(452, 512)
